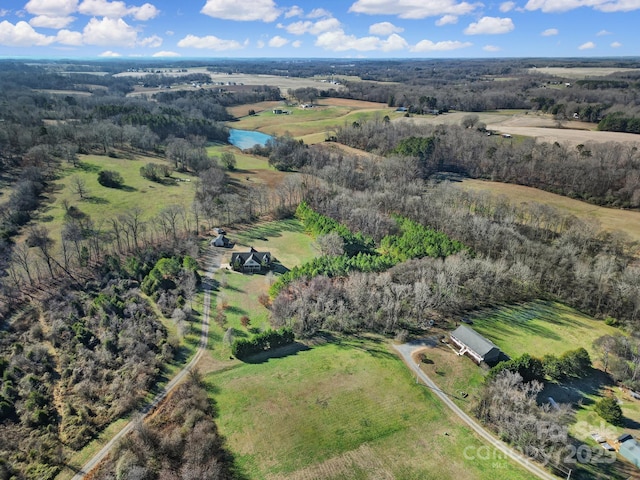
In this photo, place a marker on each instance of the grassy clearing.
(610, 219)
(539, 328)
(103, 203)
(345, 409)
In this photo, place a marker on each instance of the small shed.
(624, 437)
(475, 345)
(630, 449)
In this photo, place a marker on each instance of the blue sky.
(331, 28)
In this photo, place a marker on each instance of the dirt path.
(213, 262)
(406, 351)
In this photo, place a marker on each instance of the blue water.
(247, 138)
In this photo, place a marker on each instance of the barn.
(471, 343)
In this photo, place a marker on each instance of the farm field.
(346, 409)
(610, 219)
(581, 72)
(540, 328)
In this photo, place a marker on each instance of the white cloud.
(294, 11)
(209, 42)
(548, 6)
(67, 37)
(414, 9)
(297, 44)
(602, 33)
(490, 26)
(339, 41)
(314, 28)
(615, 45)
(51, 8)
(319, 13)
(507, 6)
(447, 45)
(260, 44)
(22, 35)
(447, 20)
(166, 53)
(109, 53)
(278, 41)
(587, 46)
(4, 12)
(170, 33)
(384, 28)
(154, 41)
(109, 31)
(491, 48)
(44, 21)
(263, 10)
(104, 8)
(550, 32)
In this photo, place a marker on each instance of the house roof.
(474, 341)
(243, 257)
(630, 450)
(624, 437)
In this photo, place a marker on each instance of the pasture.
(539, 328)
(343, 409)
(609, 219)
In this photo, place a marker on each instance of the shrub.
(266, 340)
(609, 410)
(110, 178)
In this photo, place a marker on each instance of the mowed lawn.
(346, 409)
(539, 328)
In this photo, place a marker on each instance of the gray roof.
(474, 341)
(631, 451)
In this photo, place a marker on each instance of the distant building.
(630, 449)
(474, 345)
(220, 241)
(251, 261)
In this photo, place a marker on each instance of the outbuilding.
(630, 449)
(477, 347)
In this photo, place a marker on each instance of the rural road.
(213, 262)
(405, 350)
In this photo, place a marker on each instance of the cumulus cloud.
(209, 42)
(294, 11)
(447, 20)
(507, 6)
(490, 26)
(446, 45)
(22, 35)
(67, 37)
(339, 41)
(550, 32)
(491, 48)
(166, 53)
(4, 12)
(256, 10)
(154, 41)
(319, 13)
(384, 28)
(297, 44)
(602, 33)
(414, 9)
(587, 46)
(548, 6)
(104, 8)
(314, 28)
(51, 8)
(44, 21)
(109, 31)
(615, 45)
(278, 41)
(109, 53)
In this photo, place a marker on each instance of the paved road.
(213, 262)
(406, 351)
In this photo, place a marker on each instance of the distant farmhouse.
(630, 449)
(251, 261)
(475, 345)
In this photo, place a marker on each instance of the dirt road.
(406, 350)
(213, 262)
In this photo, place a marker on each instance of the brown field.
(542, 127)
(610, 219)
(581, 72)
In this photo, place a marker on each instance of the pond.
(247, 138)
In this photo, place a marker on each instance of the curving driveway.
(406, 350)
(213, 262)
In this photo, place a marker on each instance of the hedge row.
(266, 340)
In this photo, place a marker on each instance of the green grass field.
(347, 409)
(539, 328)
